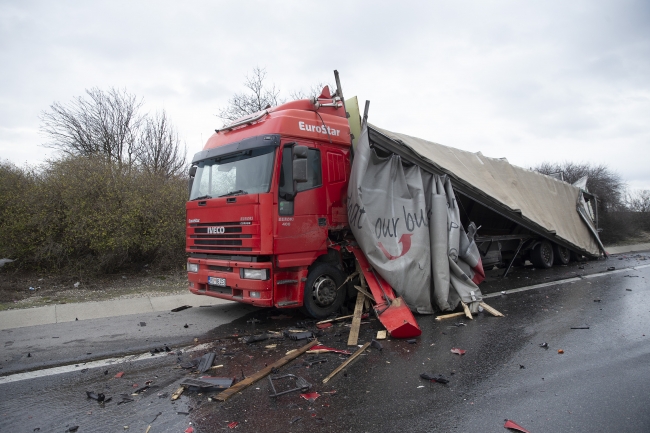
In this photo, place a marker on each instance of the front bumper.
(254, 292)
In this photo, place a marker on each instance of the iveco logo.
(216, 230)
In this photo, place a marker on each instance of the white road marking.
(112, 362)
(568, 280)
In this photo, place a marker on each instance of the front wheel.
(542, 255)
(322, 294)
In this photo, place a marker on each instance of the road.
(598, 384)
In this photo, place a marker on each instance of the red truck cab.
(267, 205)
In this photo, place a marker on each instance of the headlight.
(256, 274)
(192, 267)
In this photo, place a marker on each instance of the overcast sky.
(529, 81)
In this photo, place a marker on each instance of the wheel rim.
(564, 254)
(547, 253)
(324, 291)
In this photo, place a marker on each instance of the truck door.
(302, 226)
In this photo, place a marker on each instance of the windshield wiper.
(202, 197)
(238, 192)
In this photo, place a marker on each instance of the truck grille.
(224, 236)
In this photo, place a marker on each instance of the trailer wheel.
(321, 295)
(561, 255)
(542, 255)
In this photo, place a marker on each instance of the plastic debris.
(99, 396)
(189, 430)
(311, 397)
(411, 341)
(32, 289)
(296, 419)
(299, 335)
(186, 326)
(206, 362)
(76, 284)
(439, 378)
(72, 429)
(184, 307)
(5, 261)
(579, 327)
(209, 382)
(377, 345)
(458, 351)
(254, 338)
(514, 426)
(611, 268)
(324, 325)
(233, 424)
(544, 345)
(560, 351)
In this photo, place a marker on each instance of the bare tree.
(602, 181)
(314, 91)
(104, 123)
(159, 149)
(638, 200)
(259, 97)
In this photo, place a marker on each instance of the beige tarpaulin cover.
(547, 202)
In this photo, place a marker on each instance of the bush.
(91, 214)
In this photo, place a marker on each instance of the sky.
(530, 81)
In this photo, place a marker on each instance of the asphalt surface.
(599, 383)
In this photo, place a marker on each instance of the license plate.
(216, 281)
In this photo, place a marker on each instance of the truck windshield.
(247, 172)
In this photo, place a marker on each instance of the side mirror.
(192, 172)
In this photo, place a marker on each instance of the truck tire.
(321, 295)
(561, 255)
(542, 255)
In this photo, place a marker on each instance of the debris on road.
(579, 327)
(439, 378)
(381, 335)
(184, 307)
(346, 362)
(311, 397)
(560, 351)
(119, 375)
(178, 393)
(377, 345)
(544, 345)
(449, 316)
(99, 396)
(313, 360)
(324, 349)
(611, 268)
(458, 351)
(255, 338)
(233, 424)
(206, 362)
(225, 395)
(301, 385)
(514, 426)
(208, 382)
(73, 429)
(490, 310)
(411, 341)
(299, 335)
(143, 324)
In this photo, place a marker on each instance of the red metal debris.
(311, 397)
(189, 430)
(120, 374)
(458, 351)
(391, 309)
(323, 325)
(233, 424)
(513, 425)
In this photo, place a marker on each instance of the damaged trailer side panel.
(535, 203)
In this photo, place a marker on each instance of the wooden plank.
(239, 386)
(178, 393)
(346, 362)
(449, 316)
(365, 292)
(353, 338)
(468, 313)
(491, 310)
(335, 319)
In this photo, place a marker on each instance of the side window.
(314, 171)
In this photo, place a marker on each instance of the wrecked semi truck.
(275, 213)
